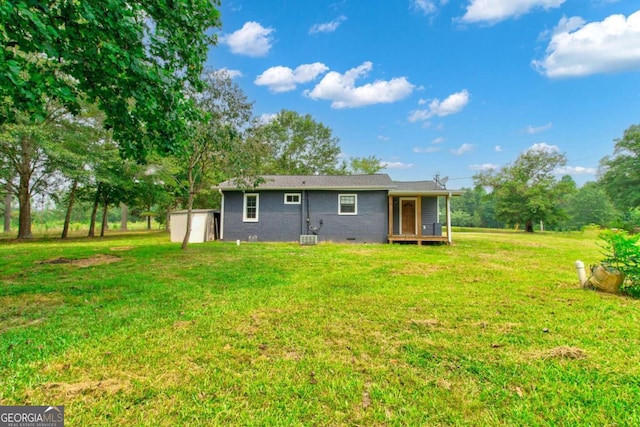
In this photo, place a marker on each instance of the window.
(250, 211)
(348, 204)
(292, 198)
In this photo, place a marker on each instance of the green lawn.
(493, 330)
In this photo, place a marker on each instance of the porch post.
(449, 218)
(390, 216)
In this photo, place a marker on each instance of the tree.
(298, 145)
(589, 205)
(132, 57)
(7, 187)
(217, 146)
(526, 191)
(82, 142)
(364, 165)
(620, 173)
(24, 146)
(475, 208)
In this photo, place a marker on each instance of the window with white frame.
(250, 209)
(348, 204)
(292, 198)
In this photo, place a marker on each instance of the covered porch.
(416, 214)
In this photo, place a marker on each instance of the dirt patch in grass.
(84, 388)
(565, 352)
(183, 324)
(98, 259)
(430, 323)
(26, 310)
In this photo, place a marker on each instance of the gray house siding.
(429, 215)
(429, 210)
(280, 222)
(277, 221)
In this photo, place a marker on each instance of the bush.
(621, 251)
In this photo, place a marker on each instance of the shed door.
(408, 213)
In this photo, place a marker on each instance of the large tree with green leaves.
(620, 172)
(217, 147)
(131, 57)
(589, 204)
(527, 191)
(364, 165)
(24, 146)
(298, 145)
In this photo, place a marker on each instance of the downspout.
(308, 219)
(221, 214)
(302, 212)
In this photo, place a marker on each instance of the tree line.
(69, 158)
(109, 104)
(526, 192)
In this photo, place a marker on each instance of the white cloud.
(438, 140)
(422, 101)
(396, 165)
(284, 79)
(431, 149)
(492, 11)
(251, 40)
(383, 138)
(566, 25)
(532, 130)
(497, 148)
(327, 27)
(464, 148)
(453, 104)
(544, 147)
(575, 170)
(342, 91)
(231, 73)
(607, 46)
(427, 6)
(483, 167)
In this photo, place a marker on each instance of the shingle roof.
(421, 187)
(416, 186)
(319, 182)
(344, 182)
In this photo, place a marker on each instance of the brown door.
(408, 217)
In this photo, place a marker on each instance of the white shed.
(205, 224)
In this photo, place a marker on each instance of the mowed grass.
(493, 330)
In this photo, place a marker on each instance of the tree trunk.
(167, 221)
(105, 209)
(24, 195)
(187, 234)
(149, 217)
(24, 221)
(7, 211)
(529, 226)
(67, 217)
(94, 213)
(125, 216)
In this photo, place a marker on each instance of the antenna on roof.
(440, 181)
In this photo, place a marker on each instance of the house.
(340, 208)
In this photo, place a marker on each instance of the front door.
(408, 214)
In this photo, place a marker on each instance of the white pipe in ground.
(582, 274)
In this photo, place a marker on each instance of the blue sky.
(444, 86)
